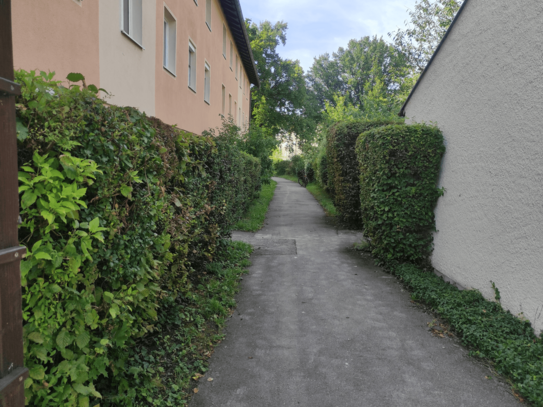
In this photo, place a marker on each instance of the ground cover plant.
(343, 167)
(253, 219)
(399, 166)
(485, 328)
(121, 214)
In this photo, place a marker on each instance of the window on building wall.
(223, 98)
(231, 53)
(224, 41)
(239, 116)
(207, 83)
(235, 109)
(208, 14)
(170, 35)
(131, 24)
(236, 66)
(192, 66)
(240, 78)
(230, 105)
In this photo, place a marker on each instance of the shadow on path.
(318, 325)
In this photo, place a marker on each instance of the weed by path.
(253, 220)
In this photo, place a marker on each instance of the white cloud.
(320, 26)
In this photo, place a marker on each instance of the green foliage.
(120, 214)
(253, 220)
(322, 197)
(399, 166)
(343, 169)
(259, 143)
(282, 104)
(186, 330)
(368, 78)
(483, 326)
(429, 22)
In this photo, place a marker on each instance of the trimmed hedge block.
(342, 167)
(399, 167)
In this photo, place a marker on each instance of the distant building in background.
(185, 62)
(484, 89)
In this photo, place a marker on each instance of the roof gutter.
(234, 17)
(402, 110)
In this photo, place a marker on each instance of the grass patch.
(489, 331)
(253, 219)
(322, 197)
(170, 361)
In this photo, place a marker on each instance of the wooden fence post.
(12, 371)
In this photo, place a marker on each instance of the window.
(207, 83)
(231, 54)
(236, 66)
(208, 14)
(240, 78)
(170, 35)
(224, 41)
(223, 99)
(192, 66)
(235, 109)
(131, 24)
(239, 116)
(230, 105)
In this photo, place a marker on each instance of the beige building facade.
(484, 90)
(186, 62)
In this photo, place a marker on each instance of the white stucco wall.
(484, 90)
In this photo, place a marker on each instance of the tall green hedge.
(342, 167)
(399, 167)
(120, 213)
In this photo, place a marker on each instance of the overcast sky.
(319, 26)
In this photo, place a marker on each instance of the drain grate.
(264, 247)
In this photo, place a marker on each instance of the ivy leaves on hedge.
(399, 166)
(343, 169)
(120, 211)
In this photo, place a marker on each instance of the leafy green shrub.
(342, 166)
(322, 169)
(485, 327)
(281, 167)
(121, 213)
(399, 166)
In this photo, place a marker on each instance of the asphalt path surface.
(319, 325)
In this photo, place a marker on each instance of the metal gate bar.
(12, 372)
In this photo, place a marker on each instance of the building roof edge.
(236, 23)
(402, 110)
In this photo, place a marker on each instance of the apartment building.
(186, 62)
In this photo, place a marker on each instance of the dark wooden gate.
(12, 372)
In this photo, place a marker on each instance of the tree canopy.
(282, 105)
(428, 23)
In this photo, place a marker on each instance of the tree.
(368, 70)
(429, 22)
(282, 105)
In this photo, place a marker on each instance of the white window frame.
(230, 104)
(192, 66)
(231, 54)
(132, 20)
(236, 67)
(208, 13)
(207, 83)
(224, 41)
(170, 41)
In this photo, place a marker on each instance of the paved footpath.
(318, 325)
